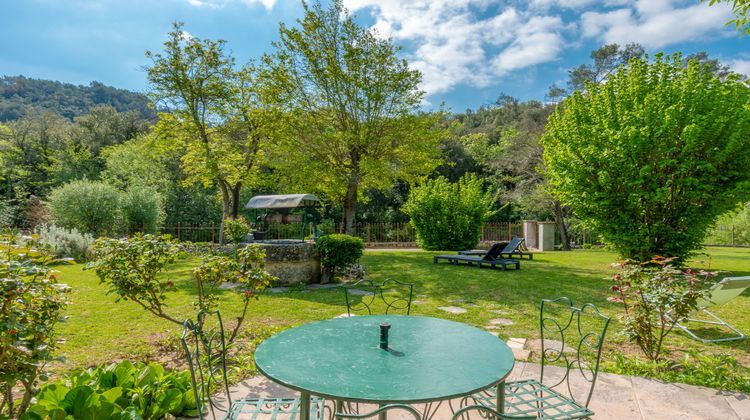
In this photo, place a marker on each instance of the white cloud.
(218, 4)
(655, 23)
(740, 66)
(452, 44)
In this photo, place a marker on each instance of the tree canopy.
(348, 109)
(652, 156)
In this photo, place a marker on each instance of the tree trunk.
(235, 192)
(561, 226)
(225, 198)
(350, 204)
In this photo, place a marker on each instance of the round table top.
(428, 359)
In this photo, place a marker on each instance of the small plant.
(32, 302)
(338, 252)
(130, 268)
(715, 371)
(236, 230)
(656, 295)
(449, 216)
(65, 243)
(119, 391)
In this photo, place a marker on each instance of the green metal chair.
(485, 413)
(205, 348)
(395, 294)
(380, 412)
(555, 398)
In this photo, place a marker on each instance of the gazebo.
(286, 202)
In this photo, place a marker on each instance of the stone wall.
(292, 261)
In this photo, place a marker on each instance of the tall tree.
(215, 116)
(652, 156)
(349, 116)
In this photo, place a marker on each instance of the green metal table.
(427, 360)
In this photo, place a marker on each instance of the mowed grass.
(99, 330)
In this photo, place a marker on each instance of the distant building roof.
(282, 201)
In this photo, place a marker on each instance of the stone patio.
(615, 397)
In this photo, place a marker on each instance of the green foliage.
(214, 117)
(449, 215)
(731, 228)
(652, 156)
(741, 9)
(32, 302)
(18, 94)
(715, 371)
(142, 208)
(656, 296)
(130, 268)
(65, 243)
(235, 230)
(88, 206)
(120, 391)
(338, 251)
(348, 107)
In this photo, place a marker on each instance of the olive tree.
(652, 156)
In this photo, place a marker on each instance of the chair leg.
(740, 335)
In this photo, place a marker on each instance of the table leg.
(304, 406)
(500, 397)
(383, 415)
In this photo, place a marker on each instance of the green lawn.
(99, 330)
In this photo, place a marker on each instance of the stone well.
(292, 261)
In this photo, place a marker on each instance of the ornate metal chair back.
(395, 295)
(205, 350)
(572, 337)
(381, 412)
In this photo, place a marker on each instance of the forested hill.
(19, 93)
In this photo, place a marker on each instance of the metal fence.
(374, 234)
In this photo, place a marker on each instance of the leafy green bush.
(731, 228)
(115, 261)
(655, 296)
(32, 302)
(143, 208)
(65, 243)
(653, 156)
(123, 391)
(90, 206)
(714, 371)
(7, 214)
(337, 252)
(235, 230)
(449, 216)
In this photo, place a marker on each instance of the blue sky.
(470, 51)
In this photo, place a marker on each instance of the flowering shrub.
(235, 230)
(31, 300)
(656, 295)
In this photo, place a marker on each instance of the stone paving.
(615, 397)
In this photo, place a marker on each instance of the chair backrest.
(485, 413)
(513, 245)
(205, 350)
(381, 410)
(495, 252)
(361, 296)
(725, 290)
(563, 325)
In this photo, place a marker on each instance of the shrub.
(7, 214)
(235, 230)
(143, 208)
(337, 252)
(449, 216)
(90, 206)
(32, 301)
(650, 158)
(65, 243)
(119, 391)
(656, 296)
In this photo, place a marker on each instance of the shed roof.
(282, 201)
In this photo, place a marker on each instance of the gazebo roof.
(282, 201)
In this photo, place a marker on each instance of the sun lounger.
(490, 258)
(721, 293)
(513, 249)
